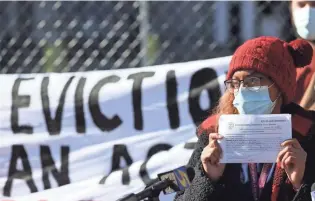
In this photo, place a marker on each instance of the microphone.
(180, 179)
(297, 194)
(313, 192)
(168, 182)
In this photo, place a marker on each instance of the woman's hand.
(210, 157)
(292, 159)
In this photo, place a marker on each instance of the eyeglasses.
(252, 83)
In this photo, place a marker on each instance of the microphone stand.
(153, 197)
(154, 194)
(150, 193)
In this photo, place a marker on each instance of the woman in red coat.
(261, 80)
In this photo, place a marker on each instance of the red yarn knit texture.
(274, 58)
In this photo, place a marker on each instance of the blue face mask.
(253, 102)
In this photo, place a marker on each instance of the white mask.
(304, 21)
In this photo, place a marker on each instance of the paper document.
(253, 138)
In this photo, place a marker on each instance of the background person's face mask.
(304, 21)
(253, 102)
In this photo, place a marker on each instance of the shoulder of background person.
(312, 65)
(303, 79)
(308, 100)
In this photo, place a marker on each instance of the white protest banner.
(99, 135)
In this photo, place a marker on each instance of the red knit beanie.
(274, 58)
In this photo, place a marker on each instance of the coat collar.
(303, 121)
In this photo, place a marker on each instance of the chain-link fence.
(82, 36)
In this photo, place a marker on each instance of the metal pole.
(144, 31)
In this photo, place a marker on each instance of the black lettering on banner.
(137, 98)
(19, 101)
(100, 120)
(143, 168)
(79, 103)
(120, 151)
(48, 165)
(203, 79)
(125, 176)
(172, 105)
(18, 152)
(53, 124)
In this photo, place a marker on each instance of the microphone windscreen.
(313, 192)
(190, 173)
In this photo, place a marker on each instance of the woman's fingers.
(288, 158)
(216, 155)
(212, 153)
(284, 151)
(214, 136)
(213, 160)
(219, 149)
(206, 154)
(293, 142)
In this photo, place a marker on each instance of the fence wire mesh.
(82, 36)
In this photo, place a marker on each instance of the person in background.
(303, 20)
(261, 79)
